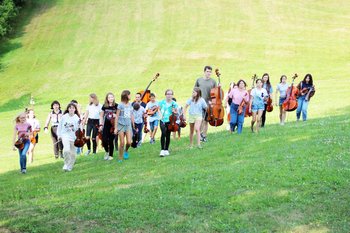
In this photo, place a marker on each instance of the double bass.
(247, 113)
(145, 98)
(215, 109)
(291, 102)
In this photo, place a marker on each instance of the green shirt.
(205, 85)
(167, 109)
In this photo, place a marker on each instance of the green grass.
(291, 179)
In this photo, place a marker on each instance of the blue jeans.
(302, 107)
(23, 155)
(236, 119)
(154, 123)
(139, 127)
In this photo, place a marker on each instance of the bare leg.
(191, 133)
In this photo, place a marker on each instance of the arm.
(251, 102)
(47, 123)
(116, 122)
(84, 122)
(59, 129)
(185, 110)
(102, 113)
(133, 121)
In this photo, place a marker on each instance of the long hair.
(75, 107)
(17, 120)
(310, 77)
(124, 97)
(106, 103)
(93, 96)
(268, 84)
(199, 94)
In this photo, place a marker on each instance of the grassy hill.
(291, 179)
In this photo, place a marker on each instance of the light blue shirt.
(196, 108)
(150, 105)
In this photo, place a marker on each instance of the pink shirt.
(237, 96)
(23, 128)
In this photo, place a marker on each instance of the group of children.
(120, 125)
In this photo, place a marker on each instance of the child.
(55, 117)
(67, 127)
(257, 104)
(179, 112)
(196, 104)
(79, 150)
(153, 119)
(166, 108)
(24, 131)
(36, 129)
(92, 120)
(138, 112)
(107, 116)
(282, 88)
(124, 123)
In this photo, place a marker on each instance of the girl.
(305, 87)
(24, 131)
(67, 127)
(268, 87)
(197, 104)
(257, 98)
(79, 150)
(238, 95)
(55, 117)
(124, 122)
(36, 129)
(228, 101)
(153, 119)
(92, 120)
(282, 89)
(166, 108)
(179, 112)
(107, 116)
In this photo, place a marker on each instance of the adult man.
(205, 83)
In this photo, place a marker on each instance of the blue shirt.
(167, 109)
(196, 108)
(258, 96)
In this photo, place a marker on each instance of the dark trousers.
(57, 146)
(139, 135)
(165, 137)
(263, 117)
(109, 140)
(92, 127)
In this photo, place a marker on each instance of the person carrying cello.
(268, 87)
(205, 83)
(257, 99)
(239, 97)
(166, 108)
(306, 90)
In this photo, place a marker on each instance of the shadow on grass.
(30, 10)
(281, 180)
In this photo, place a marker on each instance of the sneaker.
(106, 156)
(23, 171)
(65, 167)
(161, 154)
(126, 155)
(190, 147)
(110, 158)
(87, 152)
(282, 123)
(56, 156)
(199, 147)
(166, 153)
(120, 161)
(139, 144)
(204, 139)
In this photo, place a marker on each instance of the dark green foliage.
(8, 11)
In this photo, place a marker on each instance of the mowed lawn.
(286, 179)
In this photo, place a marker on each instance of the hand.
(250, 110)
(100, 128)
(46, 130)
(116, 131)
(14, 148)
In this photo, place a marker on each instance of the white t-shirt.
(94, 111)
(282, 88)
(67, 127)
(34, 123)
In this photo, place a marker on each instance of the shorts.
(282, 99)
(124, 128)
(258, 107)
(153, 124)
(193, 118)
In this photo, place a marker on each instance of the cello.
(247, 113)
(173, 127)
(291, 102)
(269, 107)
(145, 98)
(80, 138)
(215, 109)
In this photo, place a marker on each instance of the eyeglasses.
(169, 93)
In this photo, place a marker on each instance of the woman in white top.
(282, 89)
(92, 120)
(35, 129)
(67, 127)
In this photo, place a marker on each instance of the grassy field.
(291, 179)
